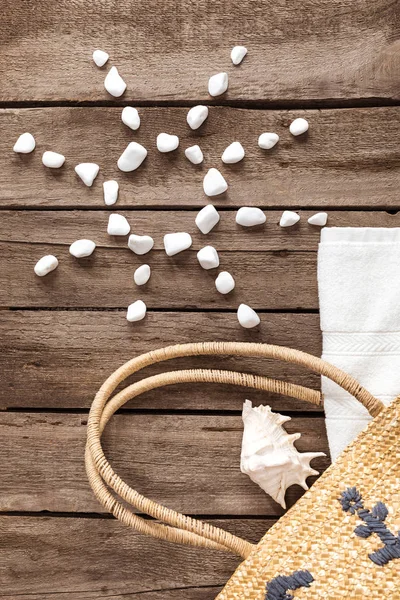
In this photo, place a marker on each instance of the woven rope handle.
(183, 529)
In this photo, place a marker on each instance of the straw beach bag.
(340, 540)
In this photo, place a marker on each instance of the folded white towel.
(359, 296)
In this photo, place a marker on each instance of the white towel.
(359, 296)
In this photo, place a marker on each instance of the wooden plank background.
(336, 63)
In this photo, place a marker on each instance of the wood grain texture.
(349, 157)
(166, 50)
(92, 559)
(59, 359)
(189, 463)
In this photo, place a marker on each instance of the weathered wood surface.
(92, 559)
(166, 50)
(190, 463)
(59, 359)
(350, 157)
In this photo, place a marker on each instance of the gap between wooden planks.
(349, 158)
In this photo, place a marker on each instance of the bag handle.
(185, 529)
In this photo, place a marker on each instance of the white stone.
(196, 116)
(237, 54)
(130, 117)
(142, 275)
(248, 216)
(87, 172)
(176, 242)
(118, 225)
(214, 183)
(247, 317)
(289, 218)
(268, 140)
(82, 248)
(298, 126)
(25, 144)
(167, 142)
(132, 157)
(45, 265)
(224, 282)
(114, 83)
(208, 257)
(194, 154)
(218, 84)
(207, 218)
(136, 311)
(140, 244)
(233, 153)
(319, 219)
(110, 189)
(53, 160)
(100, 58)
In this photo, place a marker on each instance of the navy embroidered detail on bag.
(374, 520)
(278, 587)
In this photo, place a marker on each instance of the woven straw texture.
(317, 535)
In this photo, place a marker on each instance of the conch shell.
(269, 456)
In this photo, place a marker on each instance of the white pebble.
(82, 248)
(118, 225)
(142, 275)
(208, 257)
(207, 218)
(247, 317)
(176, 242)
(53, 160)
(114, 83)
(132, 157)
(224, 282)
(233, 153)
(140, 244)
(100, 58)
(130, 117)
(87, 172)
(237, 54)
(319, 219)
(194, 154)
(289, 218)
(248, 216)
(25, 144)
(298, 126)
(214, 183)
(166, 142)
(218, 84)
(136, 311)
(268, 140)
(110, 189)
(196, 116)
(45, 265)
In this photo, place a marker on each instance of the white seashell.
(87, 172)
(249, 216)
(218, 84)
(82, 248)
(142, 275)
(268, 140)
(114, 83)
(207, 218)
(100, 57)
(269, 456)
(208, 257)
(237, 54)
(214, 183)
(298, 126)
(130, 117)
(136, 311)
(196, 116)
(319, 219)
(194, 154)
(110, 189)
(234, 153)
(132, 157)
(167, 142)
(140, 244)
(25, 144)
(289, 218)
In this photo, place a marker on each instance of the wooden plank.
(89, 559)
(349, 157)
(187, 462)
(58, 359)
(62, 227)
(166, 50)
